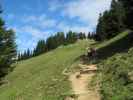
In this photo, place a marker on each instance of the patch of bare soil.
(80, 81)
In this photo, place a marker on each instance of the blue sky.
(38, 19)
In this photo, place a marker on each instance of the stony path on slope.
(80, 84)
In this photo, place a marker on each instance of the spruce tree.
(50, 43)
(89, 35)
(100, 30)
(71, 37)
(81, 36)
(111, 22)
(7, 49)
(40, 48)
(128, 7)
(28, 54)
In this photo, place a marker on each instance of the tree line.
(115, 20)
(53, 42)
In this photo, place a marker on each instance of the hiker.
(92, 52)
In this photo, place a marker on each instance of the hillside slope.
(115, 67)
(41, 78)
(116, 74)
(120, 43)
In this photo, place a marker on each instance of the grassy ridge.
(118, 44)
(117, 77)
(116, 70)
(41, 78)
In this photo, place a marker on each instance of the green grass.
(116, 74)
(116, 67)
(41, 78)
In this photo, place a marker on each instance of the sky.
(33, 20)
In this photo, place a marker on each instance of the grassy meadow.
(41, 78)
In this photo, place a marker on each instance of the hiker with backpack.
(92, 54)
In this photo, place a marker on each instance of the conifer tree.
(7, 49)
(71, 37)
(89, 35)
(128, 7)
(81, 36)
(40, 48)
(111, 22)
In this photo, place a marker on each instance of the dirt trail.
(80, 81)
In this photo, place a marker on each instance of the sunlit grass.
(41, 78)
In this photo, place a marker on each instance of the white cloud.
(34, 18)
(85, 29)
(53, 6)
(42, 21)
(29, 18)
(76, 28)
(63, 27)
(25, 44)
(34, 32)
(86, 10)
(56, 5)
(48, 23)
